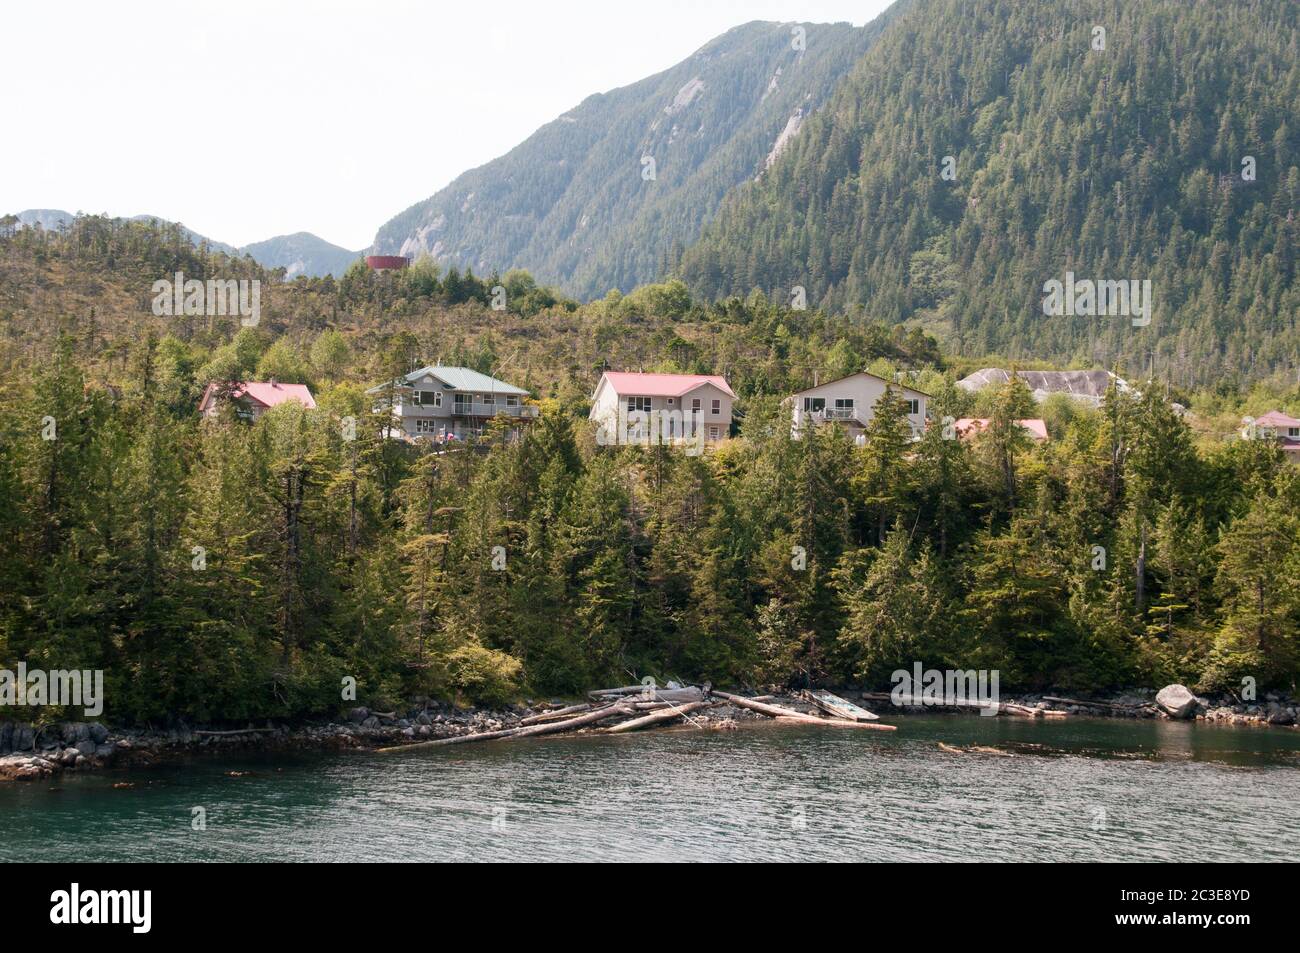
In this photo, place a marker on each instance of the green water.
(1075, 789)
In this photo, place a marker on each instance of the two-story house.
(850, 402)
(439, 402)
(1277, 426)
(252, 398)
(630, 406)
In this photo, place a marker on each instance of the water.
(1075, 789)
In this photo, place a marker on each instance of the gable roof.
(661, 385)
(846, 377)
(1036, 426)
(456, 378)
(1275, 418)
(1090, 384)
(266, 393)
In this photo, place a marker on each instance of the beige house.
(252, 398)
(850, 402)
(450, 403)
(640, 408)
(1278, 427)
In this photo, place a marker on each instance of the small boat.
(838, 707)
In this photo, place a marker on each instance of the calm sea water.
(1075, 789)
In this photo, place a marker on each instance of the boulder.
(1176, 701)
(6, 737)
(98, 733)
(86, 747)
(358, 715)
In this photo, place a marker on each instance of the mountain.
(301, 253)
(574, 203)
(1129, 162)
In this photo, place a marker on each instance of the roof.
(1089, 384)
(1275, 418)
(458, 378)
(862, 374)
(266, 393)
(1036, 426)
(662, 385)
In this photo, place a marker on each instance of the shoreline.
(28, 753)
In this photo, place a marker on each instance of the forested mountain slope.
(570, 203)
(1123, 163)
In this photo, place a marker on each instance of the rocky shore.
(29, 753)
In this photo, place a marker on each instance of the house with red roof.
(640, 408)
(968, 427)
(1277, 426)
(252, 398)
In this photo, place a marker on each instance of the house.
(440, 402)
(1278, 426)
(968, 427)
(1086, 387)
(252, 398)
(851, 403)
(637, 408)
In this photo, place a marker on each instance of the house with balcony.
(850, 402)
(1276, 426)
(441, 403)
(641, 408)
(251, 399)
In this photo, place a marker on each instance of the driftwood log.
(777, 711)
(591, 717)
(654, 718)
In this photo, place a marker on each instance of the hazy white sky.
(246, 120)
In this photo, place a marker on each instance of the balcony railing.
(468, 409)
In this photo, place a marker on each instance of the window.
(425, 425)
(814, 404)
(913, 407)
(638, 403)
(427, 398)
(1293, 431)
(716, 407)
(512, 400)
(713, 433)
(670, 401)
(843, 403)
(696, 405)
(489, 399)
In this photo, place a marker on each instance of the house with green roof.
(441, 403)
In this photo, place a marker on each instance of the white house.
(851, 403)
(1277, 426)
(634, 407)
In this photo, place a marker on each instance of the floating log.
(776, 711)
(951, 749)
(654, 718)
(835, 722)
(591, 717)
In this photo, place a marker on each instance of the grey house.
(439, 402)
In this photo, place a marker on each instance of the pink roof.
(1036, 426)
(1275, 418)
(662, 385)
(266, 393)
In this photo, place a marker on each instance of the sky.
(247, 120)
